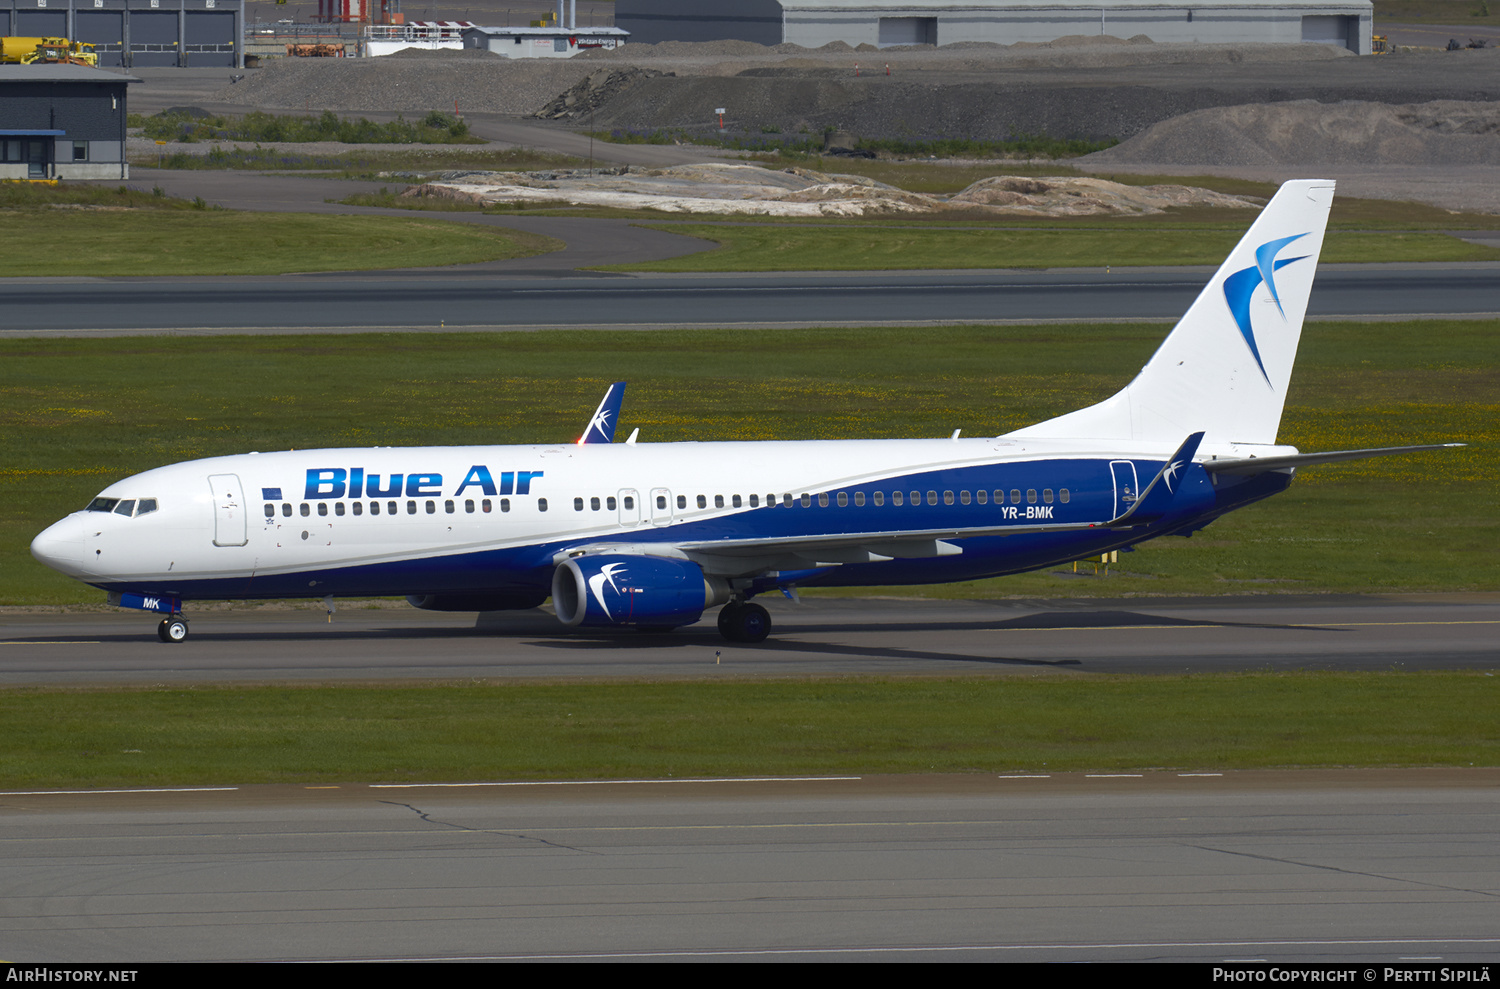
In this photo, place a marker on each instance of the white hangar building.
(814, 23)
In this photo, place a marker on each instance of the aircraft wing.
(1260, 465)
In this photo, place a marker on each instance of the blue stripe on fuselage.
(1092, 499)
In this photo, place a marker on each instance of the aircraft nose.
(60, 545)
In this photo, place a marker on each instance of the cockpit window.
(126, 507)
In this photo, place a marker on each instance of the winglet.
(1158, 498)
(601, 428)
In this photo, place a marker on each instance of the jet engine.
(644, 591)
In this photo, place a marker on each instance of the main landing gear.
(172, 629)
(743, 622)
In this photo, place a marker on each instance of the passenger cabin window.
(541, 504)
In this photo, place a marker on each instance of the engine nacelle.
(517, 600)
(633, 590)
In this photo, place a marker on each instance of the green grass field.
(283, 734)
(870, 248)
(76, 415)
(221, 242)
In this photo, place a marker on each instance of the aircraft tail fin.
(1225, 366)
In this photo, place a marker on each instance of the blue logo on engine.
(1240, 286)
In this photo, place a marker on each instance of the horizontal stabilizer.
(1260, 465)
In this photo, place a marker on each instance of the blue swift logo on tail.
(1240, 286)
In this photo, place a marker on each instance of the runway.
(819, 637)
(427, 301)
(1370, 867)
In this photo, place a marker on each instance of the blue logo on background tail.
(1240, 286)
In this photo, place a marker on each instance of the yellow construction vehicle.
(29, 51)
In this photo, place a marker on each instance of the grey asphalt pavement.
(820, 636)
(1377, 867)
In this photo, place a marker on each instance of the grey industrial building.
(814, 23)
(133, 33)
(62, 122)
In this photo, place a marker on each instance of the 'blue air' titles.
(353, 482)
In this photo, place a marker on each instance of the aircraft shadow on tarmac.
(542, 630)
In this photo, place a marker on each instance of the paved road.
(1373, 867)
(821, 636)
(428, 300)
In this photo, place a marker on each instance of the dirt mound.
(409, 83)
(444, 54)
(724, 188)
(1442, 132)
(1086, 197)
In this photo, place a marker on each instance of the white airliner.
(652, 535)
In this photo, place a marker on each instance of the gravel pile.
(595, 90)
(409, 82)
(1086, 87)
(1438, 133)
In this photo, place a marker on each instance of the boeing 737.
(651, 536)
